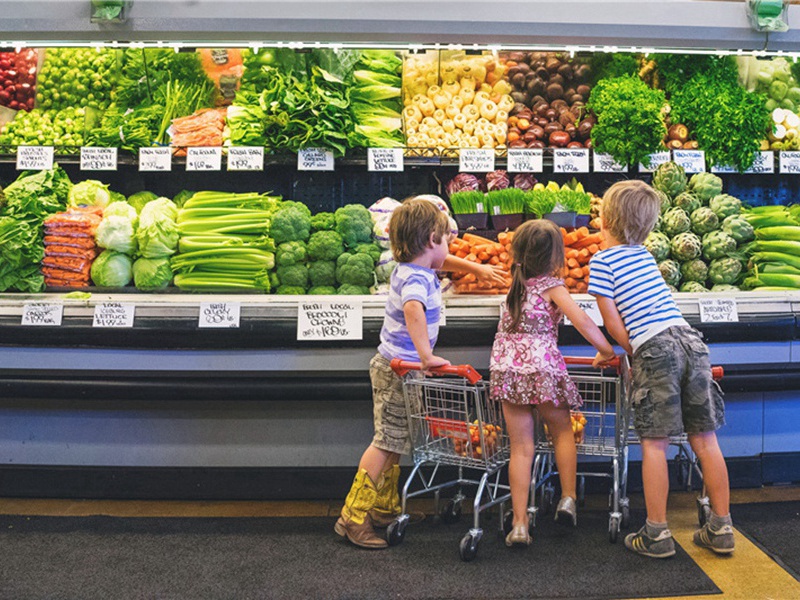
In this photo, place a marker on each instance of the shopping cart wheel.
(451, 513)
(613, 529)
(703, 510)
(468, 548)
(626, 516)
(396, 532)
(581, 491)
(546, 499)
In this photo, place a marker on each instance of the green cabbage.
(116, 233)
(121, 209)
(156, 210)
(89, 193)
(139, 199)
(158, 233)
(152, 273)
(112, 269)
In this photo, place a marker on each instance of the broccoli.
(298, 205)
(372, 250)
(354, 224)
(325, 245)
(293, 275)
(353, 290)
(322, 272)
(355, 269)
(274, 282)
(291, 253)
(290, 224)
(290, 290)
(323, 221)
(322, 290)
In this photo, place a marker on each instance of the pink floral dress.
(527, 366)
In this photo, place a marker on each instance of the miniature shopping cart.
(452, 422)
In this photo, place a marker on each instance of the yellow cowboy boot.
(387, 505)
(355, 523)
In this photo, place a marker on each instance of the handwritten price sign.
(98, 159)
(789, 162)
(718, 310)
(525, 160)
(384, 159)
(692, 161)
(219, 314)
(315, 159)
(604, 163)
(114, 314)
(339, 320)
(42, 314)
(245, 158)
(571, 160)
(656, 160)
(591, 309)
(476, 160)
(34, 158)
(155, 159)
(203, 159)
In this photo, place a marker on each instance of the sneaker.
(719, 541)
(567, 512)
(661, 546)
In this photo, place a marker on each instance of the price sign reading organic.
(42, 313)
(656, 159)
(571, 160)
(245, 158)
(94, 158)
(789, 162)
(34, 158)
(384, 159)
(525, 160)
(324, 320)
(604, 163)
(203, 159)
(718, 310)
(114, 314)
(591, 309)
(219, 314)
(475, 160)
(764, 162)
(692, 161)
(315, 159)
(155, 159)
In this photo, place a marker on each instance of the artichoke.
(705, 186)
(685, 246)
(688, 202)
(704, 221)
(666, 203)
(675, 221)
(725, 270)
(670, 271)
(725, 205)
(694, 287)
(670, 178)
(672, 289)
(694, 270)
(724, 287)
(657, 244)
(717, 244)
(738, 228)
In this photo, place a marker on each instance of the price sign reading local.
(525, 160)
(323, 320)
(42, 313)
(476, 160)
(155, 159)
(656, 159)
(604, 163)
(692, 161)
(591, 309)
(34, 158)
(764, 162)
(718, 310)
(571, 160)
(203, 159)
(114, 314)
(384, 159)
(219, 314)
(245, 158)
(789, 162)
(315, 159)
(94, 158)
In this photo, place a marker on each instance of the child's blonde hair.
(411, 226)
(630, 211)
(537, 249)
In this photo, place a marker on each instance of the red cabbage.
(524, 181)
(463, 182)
(497, 180)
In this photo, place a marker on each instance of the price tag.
(718, 310)
(764, 162)
(604, 163)
(525, 160)
(571, 160)
(475, 160)
(723, 169)
(219, 314)
(114, 314)
(442, 317)
(42, 313)
(245, 158)
(591, 309)
(692, 161)
(34, 158)
(315, 159)
(155, 159)
(656, 159)
(323, 320)
(789, 162)
(384, 159)
(94, 158)
(203, 159)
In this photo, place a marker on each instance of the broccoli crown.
(322, 290)
(290, 224)
(354, 224)
(372, 250)
(298, 205)
(325, 245)
(290, 290)
(293, 275)
(322, 272)
(355, 269)
(322, 221)
(291, 253)
(353, 290)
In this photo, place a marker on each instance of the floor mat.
(241, 558)
(775, 528)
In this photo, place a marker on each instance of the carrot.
(467, 278)
(461, 254)
(584, 254)
(586, 271)
(502, 237)
(563, 232)
(570, 239)
(582, 232)
(570, 282)
(576, 273)
(572, 263)
(471, 257)
(571, 253)
(494, 260)
(593, 249)
(582, 287)
(483, 256)
(475, 240)
(504, 256)
(588, 240)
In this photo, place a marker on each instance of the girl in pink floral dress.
(527, 369)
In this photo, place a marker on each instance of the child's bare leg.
(519, 424)
(715, 471)
(375, 461)
(655, 478)
(559, 425)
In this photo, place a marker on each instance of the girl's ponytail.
(515, 297)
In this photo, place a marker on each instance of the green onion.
(510, 201)
(467, 202)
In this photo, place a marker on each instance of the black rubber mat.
(775, 528)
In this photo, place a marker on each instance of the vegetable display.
(18, 79)
(77, 77)
(477, 249)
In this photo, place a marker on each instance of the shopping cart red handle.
(401, 367)
(717, 373)
(586, 360)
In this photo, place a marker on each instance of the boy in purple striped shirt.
(419, 233)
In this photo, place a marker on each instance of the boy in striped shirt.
(673, 390)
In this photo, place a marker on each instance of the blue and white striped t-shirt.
(630, 277)
(409, 282)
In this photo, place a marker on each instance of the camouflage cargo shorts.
(389, 411)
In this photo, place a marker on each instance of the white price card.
(692, 161)
(246, 158)
(219, 314)
(155, 159)
(605, 163)
(34, 158)
(204, 159)
(315, 159)
(723, 169)
(591, 309)
(476, 160)
(789, 162)
(384, 159)
(571, 160)
(525, 160)
(94, 158)
(114, 314)
(763, 162)
(656, 159)
(329, 320)
(718, 310)
(42, 313)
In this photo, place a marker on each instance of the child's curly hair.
(411, 226)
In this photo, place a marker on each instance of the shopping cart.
(453, 422)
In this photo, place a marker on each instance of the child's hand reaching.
(602, 359)
(493, 274)
(431, 362)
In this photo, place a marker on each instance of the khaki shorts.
(388, 408)
(673, 390)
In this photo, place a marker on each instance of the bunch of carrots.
(580, 245)
(481, 250)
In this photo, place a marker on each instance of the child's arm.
(493, 274)
(417, 326)
(613, 322)
(581, 321)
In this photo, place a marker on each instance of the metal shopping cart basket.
(453, 422)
